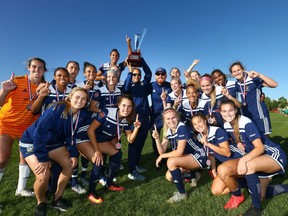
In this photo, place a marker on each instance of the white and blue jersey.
(216, 136)
(54, 96)
(209, 110)
(187, 112)
(193, 147)
(231, 87)
(249, 132)
(106, 66)
(171, 97)
(250, 90)
(93, 92)
(51, 130)
(107, 98)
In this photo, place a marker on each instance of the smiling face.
(200, 124)
(175, 85)
(160, 77)
(219, 78)
(195, 75)
(228, 112)
(90, 73)
(111, 79)
(171, 119)
(136, 75)
(78, 99)
(175, 73)
(206, 86)
(125, 107)
(36, 69)
(238, 72)
(114, 57)
(192, 94)
(61, 77)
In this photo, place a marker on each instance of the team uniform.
(93, 92)
(231, 87)
(209, 110)
(248, 133)
(15, 118)
(171, 97)
(155, 90)
(250, 90)
(51, 131)
(54, 95)
(216, 136)
(187, 112)
(139, 92)
(107, 98)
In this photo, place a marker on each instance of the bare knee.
(224, 171)
(168, 176)
(171, 163)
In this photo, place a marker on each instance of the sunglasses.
(160, 74)
(135, 74)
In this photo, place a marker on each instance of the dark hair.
(87, 64)
(37, 59)
(115, 50)
(236, 130)
(75, 62)
(236, 63)
(219, 71)
(131, 117)
(61, 68)
(203, 117)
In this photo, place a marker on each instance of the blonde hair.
(165, 126)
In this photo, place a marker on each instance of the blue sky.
(216, 32)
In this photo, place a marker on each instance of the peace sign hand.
(137, 123)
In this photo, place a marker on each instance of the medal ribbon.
(31, 97)
(73, 130)
(57, 95)
(243, 91)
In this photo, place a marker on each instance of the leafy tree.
(282, 102)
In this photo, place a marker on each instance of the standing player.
(16, 96)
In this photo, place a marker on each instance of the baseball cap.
(160, 70)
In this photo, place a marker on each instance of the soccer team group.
(206, 121)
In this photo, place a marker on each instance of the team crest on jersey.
(96, 94)
(102, 114)
(30, 149)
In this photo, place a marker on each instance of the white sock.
(24, 172)
(1, 173)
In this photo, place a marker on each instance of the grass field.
(149, 197)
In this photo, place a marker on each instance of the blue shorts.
(279, 156)
(200, 159)
(27, 149)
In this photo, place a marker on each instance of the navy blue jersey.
(140, 91)
(52, 128)
(108, 129)
(187, 112)
(156, 91)
(93, 92)
(216, 136)
(106, 66)
(171, 97)
(231, 87)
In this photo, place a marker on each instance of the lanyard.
(119, 132)
(57, 95)
(31, 97)
(111, 100)
(73, 130)
(243, 91)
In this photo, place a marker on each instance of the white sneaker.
(103, 181)
(78, 189)
(84, 182)
(136, 176)
(25, 193)
(177, 197)
(140, 169)
(195, 180)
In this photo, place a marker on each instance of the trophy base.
(135, 59)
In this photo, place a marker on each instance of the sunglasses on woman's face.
(135, 74)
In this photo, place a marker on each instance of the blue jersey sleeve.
(182, 133)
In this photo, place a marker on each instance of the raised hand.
(9, 85)
(137, 123)
(155, 133)
(163, 95)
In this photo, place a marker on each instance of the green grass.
(149, 197)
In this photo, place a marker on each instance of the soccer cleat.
(135, 175)
(78, 189)
(234, 202)
(177, 197)
(60, 204)
(114, 187)
(41, 209)
(252, 211)
(140, 169)
(24, 193)
(96, 200)
(84, 182)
